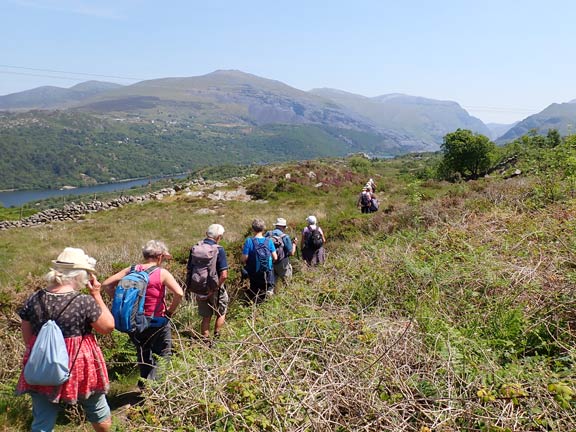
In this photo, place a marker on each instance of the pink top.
(154, 303)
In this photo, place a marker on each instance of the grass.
(451, 309)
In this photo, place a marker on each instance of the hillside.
(225, 116)
(50, 97)
(224, 97)
(561, 117)
(426, 120)
(57, 148)
(450, 309)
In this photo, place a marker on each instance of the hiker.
(213, 301)
(312, 243)
(156, 339)
(285, 248)
(364, 200)
(88, 383)
(258, 255)
(374, 203)
(371, 185)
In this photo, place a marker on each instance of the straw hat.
(74, 259)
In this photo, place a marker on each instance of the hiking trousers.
(150, 342)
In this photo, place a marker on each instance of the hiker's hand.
(93, 284)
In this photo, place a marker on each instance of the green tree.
(553, 138)
(466, 154)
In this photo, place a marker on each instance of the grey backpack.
(202, 277)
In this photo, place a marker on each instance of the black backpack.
(315, 240)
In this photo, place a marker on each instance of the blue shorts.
(46, 412)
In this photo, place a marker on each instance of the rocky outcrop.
(230, 195)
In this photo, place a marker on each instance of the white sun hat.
(74, 259)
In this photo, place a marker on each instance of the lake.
(21, 197)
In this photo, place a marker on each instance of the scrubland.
(450, 309)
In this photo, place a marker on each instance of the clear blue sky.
(501, 60)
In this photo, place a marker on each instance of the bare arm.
(105, 322)
(222, 277)
(174, 287)
(109, 284)
(27, 332)
(244, 259)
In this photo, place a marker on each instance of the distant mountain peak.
(393, 96)
(52, 97)
(230, 72)
(94, 85)
(332, 91)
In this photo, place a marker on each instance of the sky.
(500, 60)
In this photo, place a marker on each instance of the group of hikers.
(367, 201)
(265, 259)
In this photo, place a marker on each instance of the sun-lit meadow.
(450, 309)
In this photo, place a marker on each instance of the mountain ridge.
(52, 97)
(558, 116)
(236, 97)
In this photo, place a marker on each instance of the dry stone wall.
(75, 211)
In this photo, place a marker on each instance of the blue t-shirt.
(248, 248)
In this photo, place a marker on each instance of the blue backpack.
(48, 361)
(128, 301)
(262, 256)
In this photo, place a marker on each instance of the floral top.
(74, 314)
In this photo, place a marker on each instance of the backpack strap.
(67, 304)
(255, 244)
(45, 314)
(150, 269)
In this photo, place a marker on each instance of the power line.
(66, 72)
(40, 75)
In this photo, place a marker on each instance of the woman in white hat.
(88, 382)
(312, 243)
